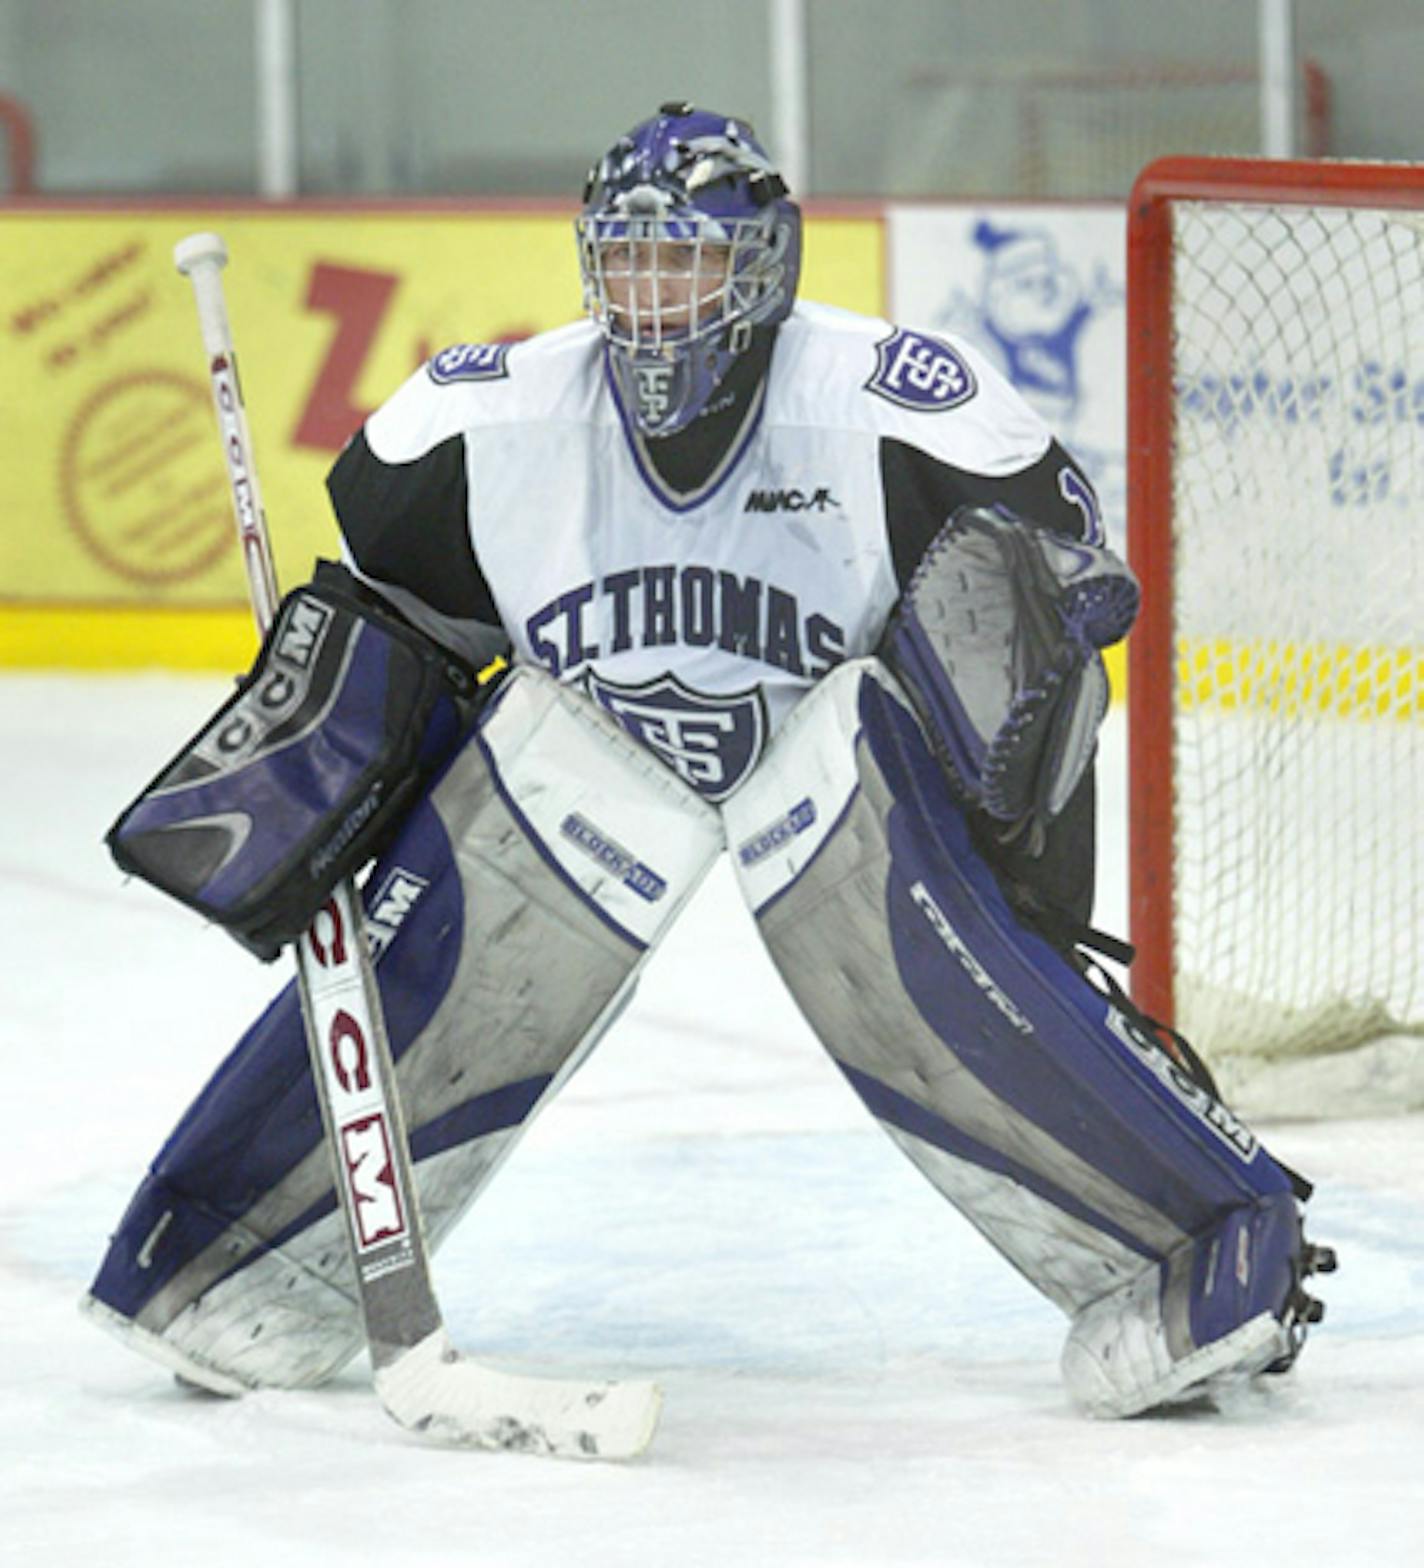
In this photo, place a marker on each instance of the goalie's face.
(676, 296)
(657, 292)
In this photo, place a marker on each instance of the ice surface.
(852, 1376)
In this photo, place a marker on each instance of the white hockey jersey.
(502, 481)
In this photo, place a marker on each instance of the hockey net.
(1276, 518)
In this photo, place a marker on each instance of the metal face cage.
(660, 281)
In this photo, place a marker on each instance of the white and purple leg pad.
(1139, 1205)
(511, 918)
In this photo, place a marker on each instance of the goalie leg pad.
(1058, 1127)
(511, 919)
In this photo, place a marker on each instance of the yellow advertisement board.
(112, 485)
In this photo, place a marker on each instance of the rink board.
(114, 463)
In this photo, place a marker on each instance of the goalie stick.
(420, 1379)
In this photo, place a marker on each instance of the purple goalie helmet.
(687, 242)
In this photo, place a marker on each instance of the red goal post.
(1275, 322)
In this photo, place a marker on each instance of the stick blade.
(433, 1391)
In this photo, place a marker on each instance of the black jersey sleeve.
(407, 525)
(921, 492)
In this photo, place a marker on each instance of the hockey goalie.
(762, 577)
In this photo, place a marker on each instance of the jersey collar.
(665, 494)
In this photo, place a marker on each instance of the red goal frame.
(1151, 663)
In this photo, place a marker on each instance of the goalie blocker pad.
(300, 776)
(510, 919)
(1050, 1118)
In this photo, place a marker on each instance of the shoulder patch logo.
(920, 372)
(469, 362)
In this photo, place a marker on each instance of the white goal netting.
(1298, 598)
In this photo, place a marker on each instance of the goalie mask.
(686, 243)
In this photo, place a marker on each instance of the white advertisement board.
(1042, 291)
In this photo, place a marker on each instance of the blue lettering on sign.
(1236, 403)
(469, 362)
(778, 833)
(921, 373)
(711, 743)
(597, 845)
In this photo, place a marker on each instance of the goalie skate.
(1127, 1353)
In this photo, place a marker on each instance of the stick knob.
(198, 249)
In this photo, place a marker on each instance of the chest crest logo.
(711, 743)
